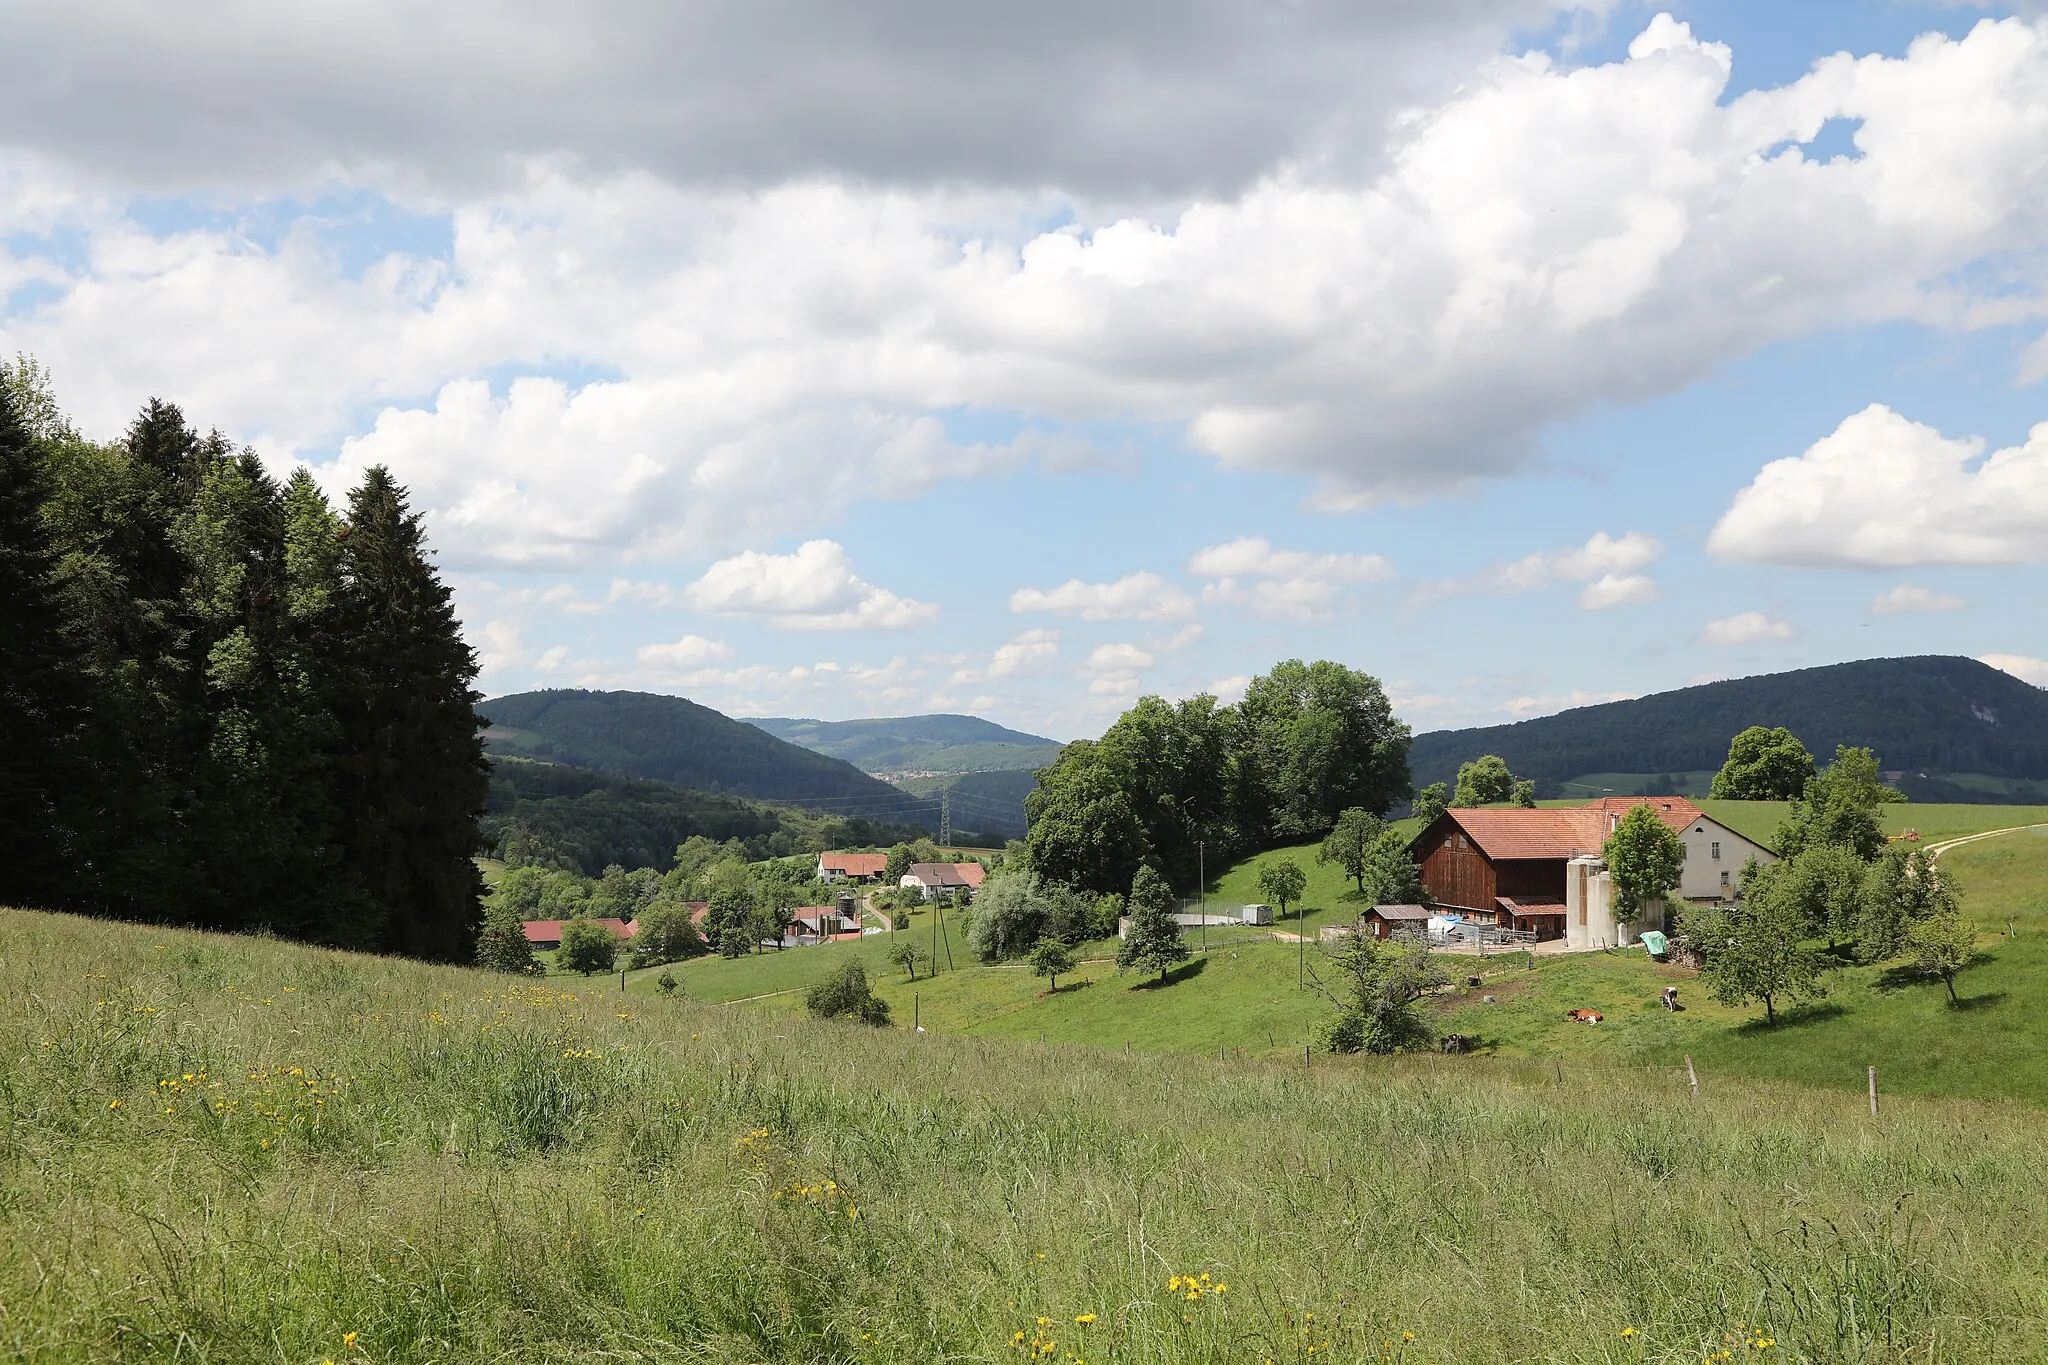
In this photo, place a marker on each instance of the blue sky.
(1520, 353)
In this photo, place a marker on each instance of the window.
(1717, 856)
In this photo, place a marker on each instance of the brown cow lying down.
(1583, 1016)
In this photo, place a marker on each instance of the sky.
(808, 359)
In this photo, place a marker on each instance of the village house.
(545, 935)
(934, 878)
(819, 923)
(852, 867)
(1541, 871)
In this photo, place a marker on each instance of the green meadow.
(234, 1149)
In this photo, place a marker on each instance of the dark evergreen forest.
(1934, 714)
(227, 703)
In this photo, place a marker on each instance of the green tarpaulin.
(1656, 943)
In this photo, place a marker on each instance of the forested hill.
(932, 744)
(1932, 714)
(668, 739)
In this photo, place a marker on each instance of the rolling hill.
(1959, 729)
(669, 739)
(594, 819)
(921, 744)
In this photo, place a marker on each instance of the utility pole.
(946, 818)
(1202, 889)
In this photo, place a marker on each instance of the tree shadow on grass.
(1906, 977)
(1977, 1002)
(1185, 972)
(1067, 989)
(1791, 1017)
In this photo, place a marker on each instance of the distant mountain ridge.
(941, 743)
(1934, 714)
(669, 739)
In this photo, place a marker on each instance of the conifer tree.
(1153, 942)
(414, 776)
(38, 696)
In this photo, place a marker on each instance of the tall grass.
(231, 1150)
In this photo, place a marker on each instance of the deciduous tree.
(1052, 959)
(587, 947)
(1348, 841)
(1840, 806)
(1646, 859)
(1764, 765)
(1755, 950)
(1282, 882)
(1941, 945)
(1375, 992)
(846, 994)
(1485, 781)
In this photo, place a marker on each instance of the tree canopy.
(1764, 764)
(1646, 858)
(225, 703)
(1176, 783)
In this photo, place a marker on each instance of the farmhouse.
(852, 867)
(546, 934)
(932, 879)
(1540, 871)
(817, 923)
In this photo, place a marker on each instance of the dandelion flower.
(1084, 1318)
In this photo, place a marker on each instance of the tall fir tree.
(413, 772)
(39, 710)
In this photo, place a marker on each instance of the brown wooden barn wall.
(1458, 876)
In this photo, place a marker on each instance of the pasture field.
(238, 1150)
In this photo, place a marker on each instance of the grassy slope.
(1244, 998)
(223, 1150)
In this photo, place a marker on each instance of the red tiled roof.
(854, 864)
(1546, 906)
(1675, 811)
(972, 873)
(1510, 833)
(550, 930)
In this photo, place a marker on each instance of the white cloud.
(1609, 566)
(500, 645)
(813, 589)
(2021, 666)
(1906, 597)
(1745, 628)
(1541, 241)
(1230, 691)
(692, 651)
(1881, 491)
(1548, 704)
(1143, 596)
(1022, 655)
(1291, 585)
(1116, 658)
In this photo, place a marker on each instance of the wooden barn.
(1506, 867)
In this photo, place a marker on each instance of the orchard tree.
(1840, 807)
(846, 994)
(1153, 942)
(1942, 945)
(1281, 881)
(664, 933)
(1349, 841)
(1050, 959)
(1901, 889)
(905, 955)
(1646, 858)
(1431, 802)
(1485, 781)
(587, 947)
(1378, 985)
(1755, 950)
(1764, 765)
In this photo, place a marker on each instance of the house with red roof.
(1541, 871)
(852, 867)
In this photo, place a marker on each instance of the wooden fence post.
(1873, 1092)
(1692, 1076)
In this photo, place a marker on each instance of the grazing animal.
(1583, 1016)
(1455, 1042)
